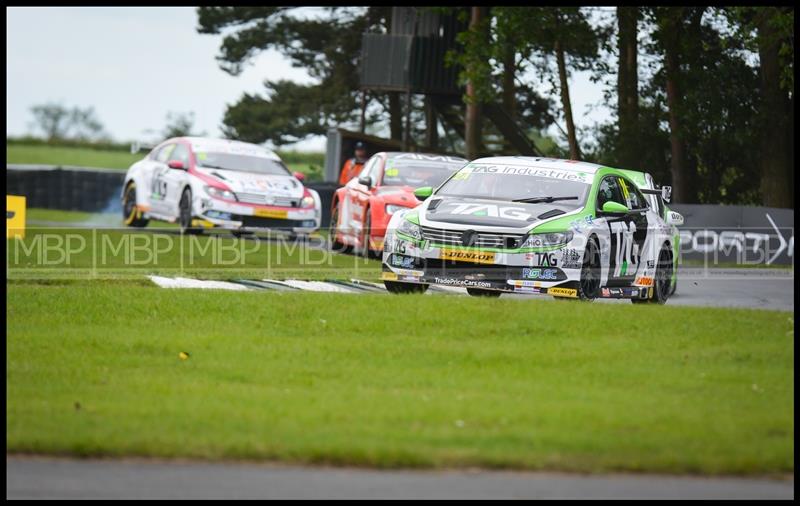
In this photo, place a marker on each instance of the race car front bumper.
(553, 272)
(556, 272)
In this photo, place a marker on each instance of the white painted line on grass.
(195, 283)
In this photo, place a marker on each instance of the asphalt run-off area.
(47, 477)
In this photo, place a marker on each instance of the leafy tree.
(180, 125)
(58, 122)
(52, 119)
(328, 47)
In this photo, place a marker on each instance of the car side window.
(633, 197)
(163, 153)
(368, 167)
(180, 154)
(609, 191)
(375, 171)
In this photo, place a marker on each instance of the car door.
(364, 192)
(156, 185)
(357, 198)
(175, 180)
(627, 233)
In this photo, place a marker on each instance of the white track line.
(315, 286)
(195, 283)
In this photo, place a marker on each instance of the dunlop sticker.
(476, 257)
(563, 292)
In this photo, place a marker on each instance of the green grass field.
(114, 159)
(53, 252)
(92, 368)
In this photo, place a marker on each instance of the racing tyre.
(480, 292)
(185, 214)
(661, 283)
(131, 216)
(589, 286)
(397, 287)
(336, 246)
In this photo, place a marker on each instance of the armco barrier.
(715, 234)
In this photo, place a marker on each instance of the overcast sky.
(136, 64)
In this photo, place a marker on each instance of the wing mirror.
(366, 181)
(176, 164)
(666, 193)
(299, 176)
(424, 192)
(615, 209)
(674, 218)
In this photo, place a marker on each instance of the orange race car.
(363, 207)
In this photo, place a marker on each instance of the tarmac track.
(44, 478)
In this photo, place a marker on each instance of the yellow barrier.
(15, 216)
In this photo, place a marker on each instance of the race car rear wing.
(664, 191)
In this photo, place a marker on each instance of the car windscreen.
(243, 163)
(418, 173)
(516, 183)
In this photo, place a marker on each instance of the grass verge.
(392, 381)
(309, 164)
(78, 253)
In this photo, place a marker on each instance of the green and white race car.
(537, 225)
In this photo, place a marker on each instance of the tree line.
(702, 97)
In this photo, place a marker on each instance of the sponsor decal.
(407, 272)
(545, 259)
(461, 282)
(430, 158)
(271, 213)
(570, 259)
(651, 264)
(644, 281)
(627, 251)
(544, 274)
(581, 225)
(524, 283)
(611, 292)
(477, 257)
(389, 276)
(563, 292)
(526, 289)
(402, 261)
(565, 175)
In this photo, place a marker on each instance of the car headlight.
(391, 208)
(410, 229)
(547, 240)
(308, 201)
(220, 193)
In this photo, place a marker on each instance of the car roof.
(218, 145)
(542, 162)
